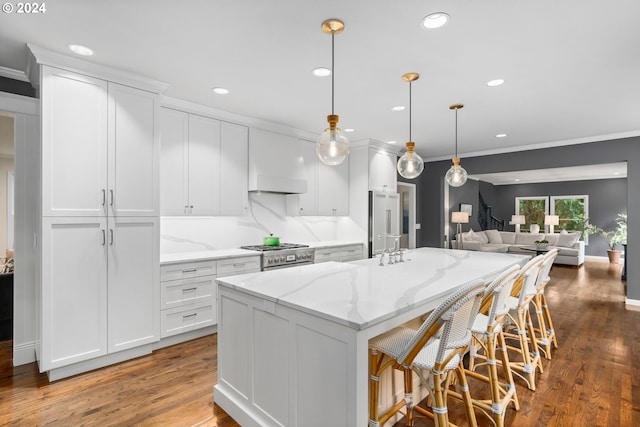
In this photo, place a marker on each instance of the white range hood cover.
(276, 164)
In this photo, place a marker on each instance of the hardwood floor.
(592, 380)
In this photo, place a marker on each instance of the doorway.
(407, 218)
(6, 224)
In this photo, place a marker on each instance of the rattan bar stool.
(519, 327)
(545, 334)
(487, 336)
(431, 354)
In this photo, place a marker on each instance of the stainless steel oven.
(283, 256)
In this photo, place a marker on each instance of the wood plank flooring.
(592, 380)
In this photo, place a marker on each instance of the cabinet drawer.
(325, 255)
(186, 270)
(233, 266)
(188, 292)
(178, 320)
(350, 253)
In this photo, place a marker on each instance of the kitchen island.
(293, 343)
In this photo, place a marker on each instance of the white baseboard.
(632, 304)
(24, 353)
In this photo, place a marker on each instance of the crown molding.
(10, 73)
(40, 56)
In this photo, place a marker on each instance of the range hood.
(276, 164)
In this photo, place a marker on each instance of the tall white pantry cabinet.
(100, 218)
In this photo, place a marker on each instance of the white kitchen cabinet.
(189, 292)
(133, 278)
(74, 291)
(234, 152)
(99, 287)
(333, 189)
(204, 165)
(134, 152)
(327, 187)
(99, 147)
(188, 297)
(382, 170)
(339, 253)
(74, 143)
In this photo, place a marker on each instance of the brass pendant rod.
(456, 132)
(410, 111)
(332, 73)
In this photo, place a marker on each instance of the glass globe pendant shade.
(456, 175)
(410, 165)
(333, 145)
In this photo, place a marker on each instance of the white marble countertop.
(361, 294)
(332, 244)
(171, 258)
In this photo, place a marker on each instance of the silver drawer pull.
(238, 265)
(191, 270)
(186, 316)
(189, 289)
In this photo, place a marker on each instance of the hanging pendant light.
(410, 165)
(456, 175)
(333, 145)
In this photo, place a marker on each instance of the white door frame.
(405, 187)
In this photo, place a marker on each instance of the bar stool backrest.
(500, 289)
(530, 273)
(455, 316)
(547, 263)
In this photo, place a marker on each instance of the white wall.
(266, 214)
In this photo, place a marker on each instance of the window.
(572, 210)
(534, 209)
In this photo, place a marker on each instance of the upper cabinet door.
(134, 152)
(204, 166)
(333, 189)
(382, 171)
(174, 162)
(308, 201)
(74, 144)
(234, 168)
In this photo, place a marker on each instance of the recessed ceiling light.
(80, 50)
(616, 173)
(494, 83)
(398, 108)
(321, 72)
(220, 90)
(435, 20)
(501, 135)
(517, 180)
(349, 130)
(391, 142)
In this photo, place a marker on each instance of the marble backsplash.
(266, 214)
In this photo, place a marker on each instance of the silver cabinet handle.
(104, 237)
(238, 265)
(104, 197)
(190, 209)
(189, 289)
(186, 316)
(111, 236)
(186, 208)
(111, 197)
(191, 270)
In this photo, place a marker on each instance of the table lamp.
(517, 220)
(551, 220)
(459, 218)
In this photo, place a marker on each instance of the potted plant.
(614, 238)
(542, 244)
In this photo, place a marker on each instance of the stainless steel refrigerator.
(384, 222)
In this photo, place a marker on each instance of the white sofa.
(571, 250)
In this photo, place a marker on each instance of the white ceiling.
(570, 67)
(574, 173)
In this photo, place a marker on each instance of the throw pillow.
(568, 240)
(483, 237)
(493, 235)
(552, 238)
(565, 232)
(470, 236)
